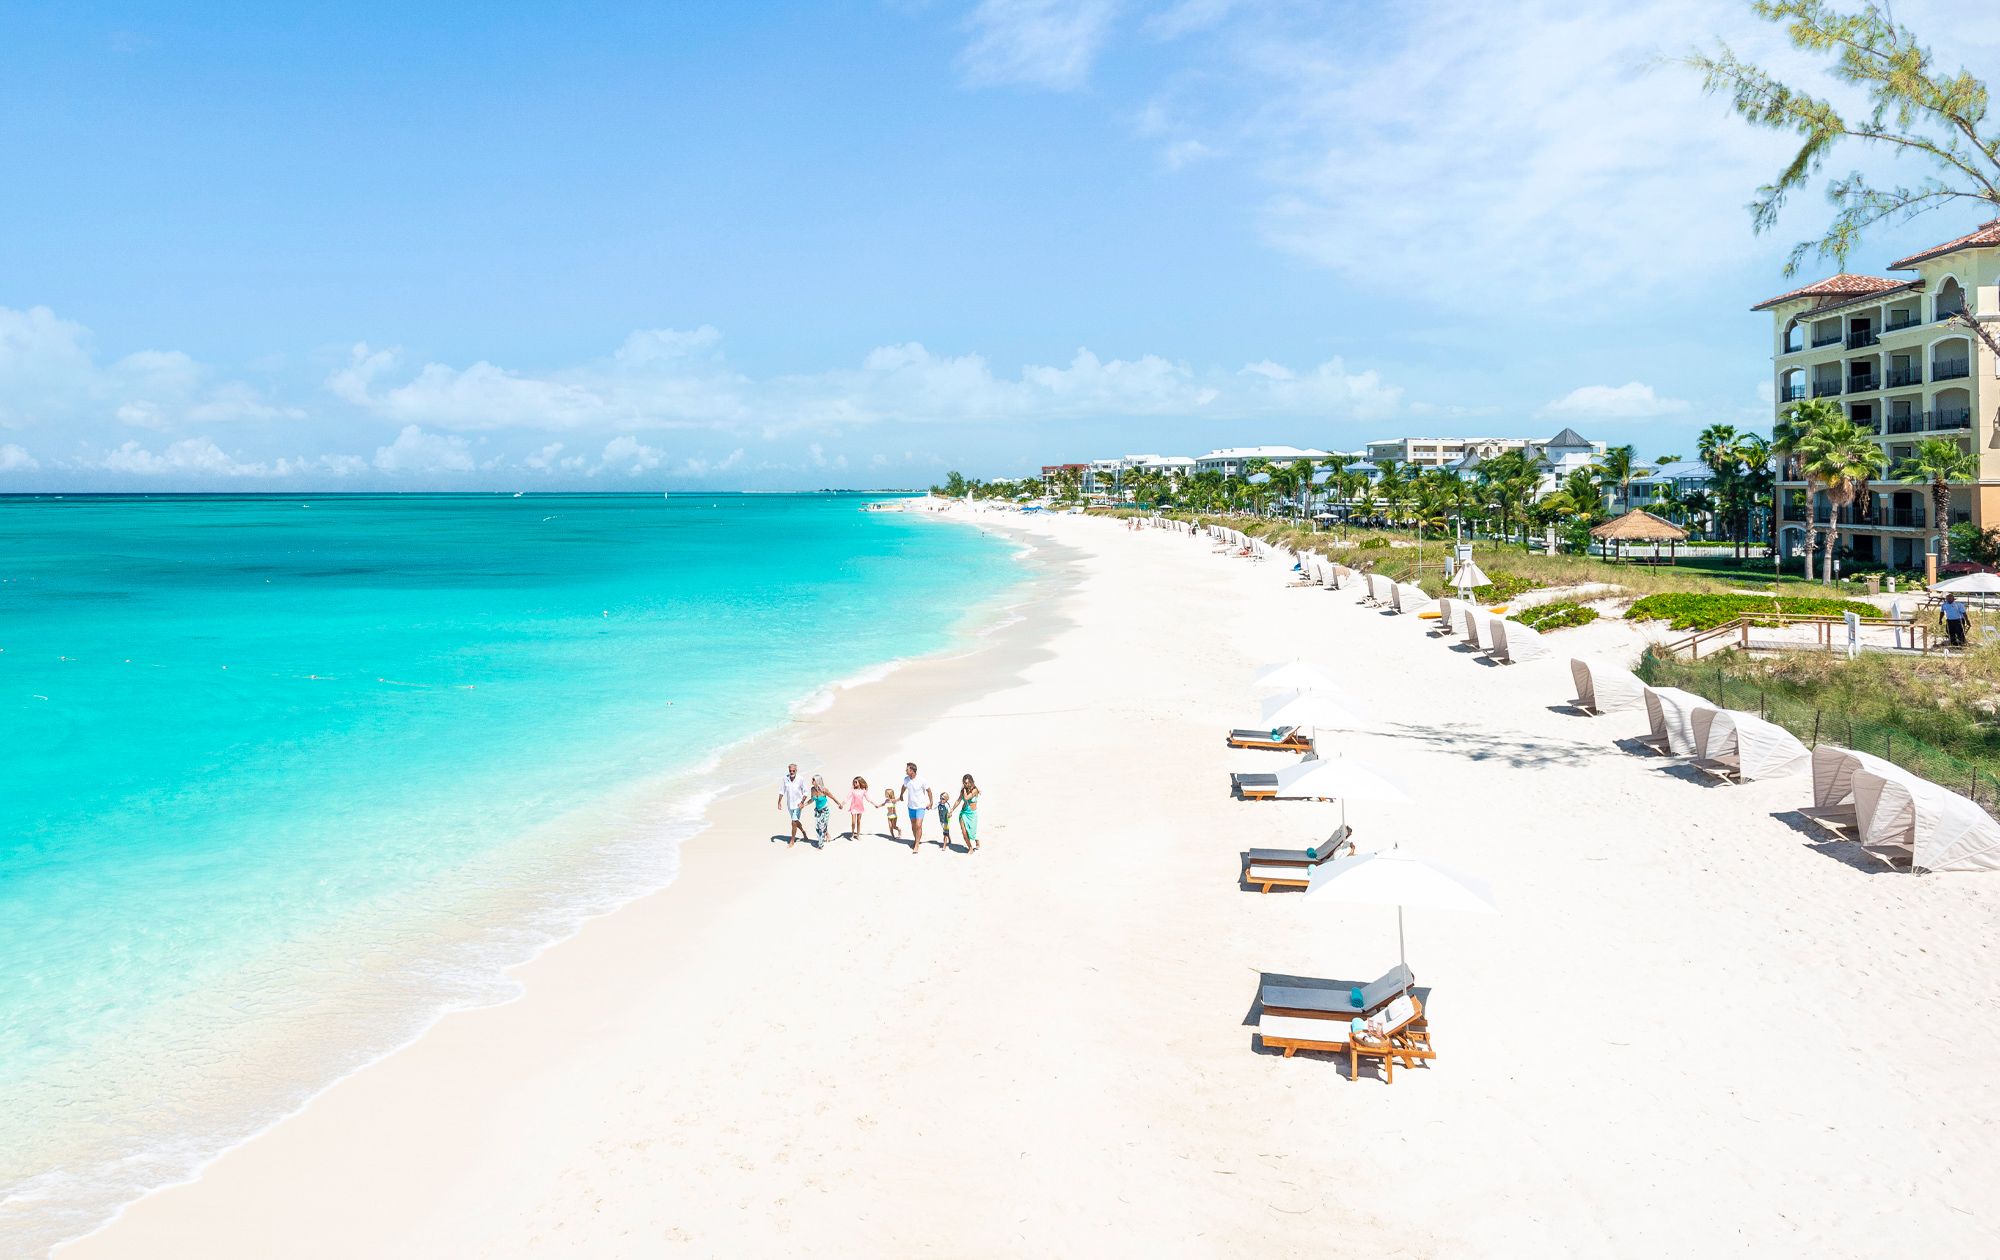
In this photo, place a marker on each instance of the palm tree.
(1937, 462)
(1661, 461)
(1392, 485)
(1717, 448)
(1843, 457)
(1618, 467)
(1698, 504)
(1788, 439)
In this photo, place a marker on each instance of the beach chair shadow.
(1690, 774)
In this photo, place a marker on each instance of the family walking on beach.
(914, 800)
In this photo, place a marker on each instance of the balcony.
(1951, 312)
(1825, 339)
(1907, 422)
(1825, 389)
(1902, 376)
(1950, 369)
(1899, 320)
(1900, 518)
(1946, 418)
(1861, 383)
(1792, 393)
(1864, 337)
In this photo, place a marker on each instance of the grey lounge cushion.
(1333, 996)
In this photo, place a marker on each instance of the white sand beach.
(1692, 1030)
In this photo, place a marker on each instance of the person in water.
(968, 812)
(857, 802)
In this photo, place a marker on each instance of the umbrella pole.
(1402, 953)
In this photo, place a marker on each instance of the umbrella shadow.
(1520, 751)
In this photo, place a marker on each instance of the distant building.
(1232, 461)
(1053, 475)
(1893, 356)
(1107, 476)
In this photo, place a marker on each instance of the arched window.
(1795, 336)
(1950, 299)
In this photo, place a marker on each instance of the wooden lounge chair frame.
(1294, 740)
(1264, 787)
(1408, 1041)
(1266, 869)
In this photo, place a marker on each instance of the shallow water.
(286, 772)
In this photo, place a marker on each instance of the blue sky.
(789, 245)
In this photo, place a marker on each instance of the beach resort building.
(1656, 488)
(1234, 461)
(1893, 354)
(1107, 476)
(1435, 452)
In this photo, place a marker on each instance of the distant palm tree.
(1788, 438)
(1661, 461)
(1937, 462)
(1618, 467)
(1843, 457)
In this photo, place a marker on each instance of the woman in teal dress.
(968, 812)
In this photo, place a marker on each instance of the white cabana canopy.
(1671, 712)
(1970, 584)
(1753, 747)
(1410, 598)
(1833, 770)
(1943, 830)
(1337, 778)
(1602, 688)
(1517, 642)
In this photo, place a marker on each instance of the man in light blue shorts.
(792, 798)
(917, 802)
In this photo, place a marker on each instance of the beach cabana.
(1516, 642)
(1743, 745)
(1602, 688)
(1833, 770)
(1447, 618)
(1639, 525)
(1942, 830)
(1473, 619)
(1411, 598)
(1670, 711)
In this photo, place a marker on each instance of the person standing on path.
(1953, 614)
(916, 798)
(791, 799)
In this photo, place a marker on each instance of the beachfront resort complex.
(1907, 358)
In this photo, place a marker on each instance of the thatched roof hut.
(1639, 525)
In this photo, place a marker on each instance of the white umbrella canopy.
(1468, 576)
(1396, 877)
(1338, 778)
(1292, 676)
(1971, 584)
(1307, 708)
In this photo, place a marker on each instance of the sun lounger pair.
(1292, 868)
(1403, 1035)
(1284, 739)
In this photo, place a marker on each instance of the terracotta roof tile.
(1985, 234)
(1840, 286)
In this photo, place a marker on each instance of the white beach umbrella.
(1307, 708)
(1971, 584)
(1341, 779)
(1467, 577)
(1399, 878)
(1291, 676)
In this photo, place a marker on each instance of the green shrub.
(1557, 616)
(1373, 544)
(1705, 612)
(1504, 586)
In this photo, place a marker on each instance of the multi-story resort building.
(1233, 461)
(1431, 452)
(1893, 354)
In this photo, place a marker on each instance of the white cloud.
(1184, 153)
(197, 457)
(1631, 401)
(1189, 17)
(628, 454)
(1035, 43)
(415, 451)
(14, 458)
(48, 376)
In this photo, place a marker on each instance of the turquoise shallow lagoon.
(286, 772)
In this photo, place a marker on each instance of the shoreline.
(1049, 1047)
(684, 799)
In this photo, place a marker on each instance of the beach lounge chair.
(1473, 621)
(1308, 998)
(1253, 787)
(1603, 688)
(1292, 868)
(1833, 770)
(1400, 1038)
(1737, 747)
(1284, 739)
(1670, 711)
(1941, 830)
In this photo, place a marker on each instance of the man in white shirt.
(916, 798)
(792, 798)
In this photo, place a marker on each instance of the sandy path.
(1691, 1032)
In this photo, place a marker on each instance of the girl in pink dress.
(857, 801)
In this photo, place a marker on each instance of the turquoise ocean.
(286, 777)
